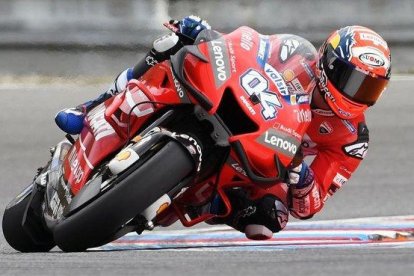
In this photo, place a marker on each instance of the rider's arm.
(332, 167)
(186, 32)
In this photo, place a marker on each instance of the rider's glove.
(301, 176)
(305, 195)
(191, 26)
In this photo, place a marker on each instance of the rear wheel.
(101, 220)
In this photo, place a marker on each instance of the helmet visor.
(351, 81)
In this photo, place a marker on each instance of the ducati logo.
(325, 128)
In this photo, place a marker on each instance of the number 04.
(255, 84)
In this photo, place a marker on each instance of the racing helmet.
(354, 68)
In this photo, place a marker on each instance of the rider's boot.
(70, 120)
(258, 219)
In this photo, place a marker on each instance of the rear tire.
(98, 222)
(16, 235)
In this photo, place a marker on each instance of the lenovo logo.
(220, 61)
(279, 141)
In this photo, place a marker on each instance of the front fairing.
(273, 120)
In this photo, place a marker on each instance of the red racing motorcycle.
(213, 117)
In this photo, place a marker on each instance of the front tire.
(20, 237)
(100, 221)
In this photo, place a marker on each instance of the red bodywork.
(237, 62)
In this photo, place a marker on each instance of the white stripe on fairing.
(113, 117)
(87, 161)
(136, 110)
(131, 102)
(84, 154)
(81, 143)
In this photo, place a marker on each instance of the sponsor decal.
(357, 150)
(322, 112)
(372, 59)
(288, 130)
(316, 198)
(339, 180)
(295, 87)
(276, 78)
(248, 105)
(325, 128)
(246, 40)
(193, 147)
(363, 132)
(182, 93)
(219, 59)
(75, 166)
(279, 141)
(162, 207)
(374, 38)
(303, 115)
(344, 113)
(298, 86)
(150, 60)
(297, 99)
(263, 51)
(255, 85)
(233, 58)
(332, 189)
(288, 75)
(308, 69)
(282, 213)
(345, 169)
(302, 99)
(329, 96)
(246, 212)
(99, 126)
(323, 82)
(123, 155)
(288, 49)
(349, 126)
(236, 166)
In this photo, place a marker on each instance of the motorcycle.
(212, 118)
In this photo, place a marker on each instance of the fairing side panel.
(106, 126)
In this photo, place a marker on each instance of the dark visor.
(352, 83)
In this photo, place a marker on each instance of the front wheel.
(22, 224)
(101, 220)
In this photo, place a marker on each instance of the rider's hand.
(305, 194)
(191, 26)
(301, 176)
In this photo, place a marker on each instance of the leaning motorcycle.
(212, 118)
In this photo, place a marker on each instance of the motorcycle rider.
(350, 72)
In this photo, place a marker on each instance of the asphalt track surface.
(383, 186)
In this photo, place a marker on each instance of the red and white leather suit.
(337, 145)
